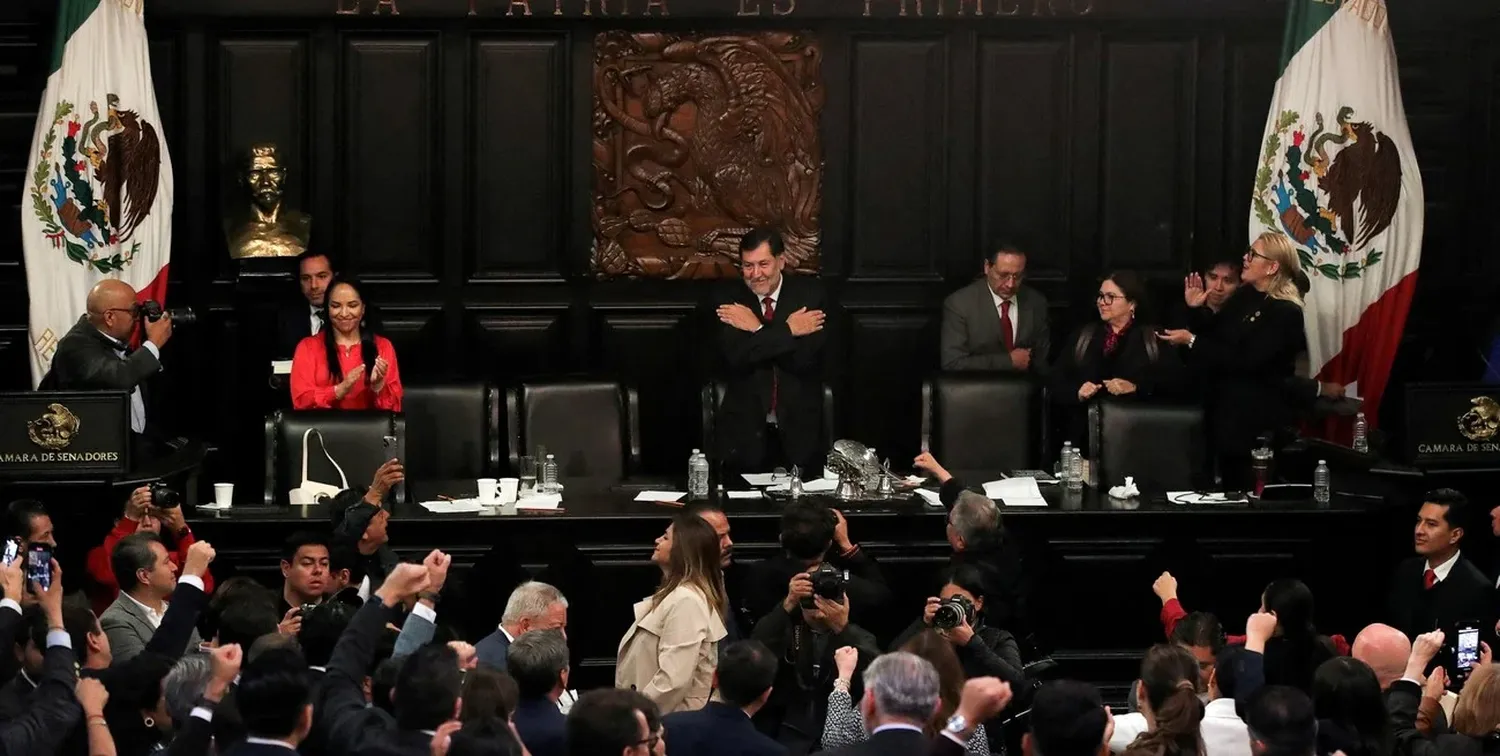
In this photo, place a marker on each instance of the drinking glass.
(528, 476)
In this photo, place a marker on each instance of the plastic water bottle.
(1065, 463)
(1075, 471)
(1361, 434)
(698, 475)
(549, 475)
(1321, 494)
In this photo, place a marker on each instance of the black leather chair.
(981, 423)
(1162, 446)
(712, 396)
(355, 439)
(591, 427)
(452, 431)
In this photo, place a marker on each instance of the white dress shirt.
(1442, 570)
(153, 616)
(894, 726)
(270, 742)
(1224, 733)
(315, 320)
(137, 403)
(1015, 313)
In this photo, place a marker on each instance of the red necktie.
(1006, 327)
(768, 313)
(1429, 579)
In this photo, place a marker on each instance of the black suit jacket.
(492, 650)
(772, 356)
(256, 749)
(1247, 359)
(52, 710)
(293, 324)
(543, 729)
(87, 360)
(361, 730)
(717, 729)
(1465, 595)
(887, 743)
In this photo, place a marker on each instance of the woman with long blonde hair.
(671, 650)
(1249, 355)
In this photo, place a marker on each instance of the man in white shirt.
(1223, 732)
(147, 576)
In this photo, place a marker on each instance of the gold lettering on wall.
(659, 5)
(919, 8)
(349, 7)
(524, 5)
(786, 9)
(978, 7)
(390, 4)
(746, 11)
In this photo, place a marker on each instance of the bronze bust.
(266, 228)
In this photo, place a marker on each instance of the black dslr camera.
(163, 497)
(152, 310)
(828, 582)
(952, 612)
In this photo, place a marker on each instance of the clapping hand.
(350, 378)
(377, 376)
(1119, 386)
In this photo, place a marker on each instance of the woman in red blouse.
(345, 366)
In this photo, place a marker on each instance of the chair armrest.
(513, 430)
(927, 416)
(492, 405)
(632, 431)
(398, 429)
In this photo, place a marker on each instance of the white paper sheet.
(660, 495)
(759, 479)
(821, 485)
(456, 506)
(542, 501)
(745, 495)
(931, 498)
(1193, 497)
(281, 367)
(1015, 492)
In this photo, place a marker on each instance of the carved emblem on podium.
(697, 139)
(1482, 421)
(55, 429)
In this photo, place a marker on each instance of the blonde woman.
(671, 650)
(1249, 358)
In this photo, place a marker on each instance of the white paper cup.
(509, 488)
(487, 491)
(223, 494)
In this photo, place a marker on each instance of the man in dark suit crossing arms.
(274, 697)
(771, 336)
(723, 728)
(1439, 588)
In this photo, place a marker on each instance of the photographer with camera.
(957, 613)
(805, 631)
(153, 508)
(815, 538)
(96, 353)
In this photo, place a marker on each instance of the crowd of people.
(351, 657)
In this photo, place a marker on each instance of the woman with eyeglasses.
(1113, 356)
(1250, 355)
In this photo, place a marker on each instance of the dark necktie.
(768, 313)
(1429, 579)
(1006, 327)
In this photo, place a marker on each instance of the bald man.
(1385, 650)
(96, 354)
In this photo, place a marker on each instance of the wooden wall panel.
(389, 174)
(1252, 79)
(262, 87)
(1025, 106)
(1148, 153)
(897, 198)
(880, 403)
(511, 344)
(650, 349)
(518, 209)
(21, 75)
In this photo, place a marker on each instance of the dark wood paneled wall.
(445, 157)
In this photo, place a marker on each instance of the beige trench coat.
(670, 653)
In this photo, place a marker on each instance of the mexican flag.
(1338, 175)
(98, 196)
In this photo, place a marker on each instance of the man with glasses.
(96, 355)
(996, 323)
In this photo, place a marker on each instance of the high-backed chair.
(591, 427)
(453, 431)
(982, 423)
(354, 438)
(712, 397)
(1162, 446)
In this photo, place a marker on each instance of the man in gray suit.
(996, 323)
(147, 576)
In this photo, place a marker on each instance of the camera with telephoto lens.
(163, 497)
(152, 310)
(828, 582)
(952, 612)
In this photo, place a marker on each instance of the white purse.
(310, 491)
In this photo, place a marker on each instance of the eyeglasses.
(649, 743)
(1251, 253)
(1107, 297)
(1009, 276)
